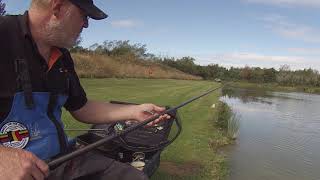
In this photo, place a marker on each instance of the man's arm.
(95, 112)
(20, 164)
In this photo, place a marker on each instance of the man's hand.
(95, 112)
(145, 111)
(19, 164)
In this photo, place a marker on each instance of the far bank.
(276, 87)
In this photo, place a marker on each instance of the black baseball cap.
(90, 9)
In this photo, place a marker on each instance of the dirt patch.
(185, 169)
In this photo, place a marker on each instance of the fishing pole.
(56, 162)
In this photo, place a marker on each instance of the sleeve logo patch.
(14, 135)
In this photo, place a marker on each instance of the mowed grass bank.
(192, 155)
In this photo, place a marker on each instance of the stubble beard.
(58, 35)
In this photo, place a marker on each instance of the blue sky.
(265, 33)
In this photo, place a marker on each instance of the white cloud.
(262, 58)
(125, 23)
(305, 51)
(282, 26)
(257, 60)
(298, 3)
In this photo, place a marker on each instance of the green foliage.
(226, 120)
(119, 48)
(269, 75)
(224, 113)
(308, 77)
(187, 63)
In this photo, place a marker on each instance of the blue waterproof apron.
(34, 122)
(32, 129)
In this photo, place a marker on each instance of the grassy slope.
(103, 66)
(192, 147)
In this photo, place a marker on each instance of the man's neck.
(36, 26)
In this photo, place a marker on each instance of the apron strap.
(60, 132)
(54, 94)
(22, 69)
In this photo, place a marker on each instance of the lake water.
(279, 135)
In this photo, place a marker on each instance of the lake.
(279, 135)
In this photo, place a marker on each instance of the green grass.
(194, 144)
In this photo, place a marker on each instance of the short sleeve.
(77, 97)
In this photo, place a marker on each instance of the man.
(37, 79)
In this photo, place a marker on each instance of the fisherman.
(37, 79)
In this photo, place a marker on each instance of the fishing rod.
(56, 162)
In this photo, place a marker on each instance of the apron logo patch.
(14, 134)
(34, 131)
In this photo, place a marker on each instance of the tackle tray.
(114, 151)
(147, 140)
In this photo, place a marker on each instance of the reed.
(224, 113)
(227, 120)
(233, 126)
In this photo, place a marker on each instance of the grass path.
(190, 156)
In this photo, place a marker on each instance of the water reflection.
(246, 95)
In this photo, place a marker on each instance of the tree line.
(283, 76)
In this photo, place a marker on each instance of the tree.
(284, 68)
(2, 8)
(186, 64)
(269, 75)
(284, 75)
(246, 73)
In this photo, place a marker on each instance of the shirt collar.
(24, 22)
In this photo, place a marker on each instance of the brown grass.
(185, 169)
(103, 66)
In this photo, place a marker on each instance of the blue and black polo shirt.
(45, 77)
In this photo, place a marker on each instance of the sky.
(264, 33)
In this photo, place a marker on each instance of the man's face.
(66, 28)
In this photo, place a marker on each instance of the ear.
(56, 7)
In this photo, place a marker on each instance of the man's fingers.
(42, 166)
(159, 109)
(30, 170)
(166, 116)
(36, 173)
(149, 112)
(28, 177)
(161, 118)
